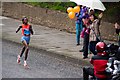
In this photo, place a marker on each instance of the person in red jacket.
(25, 39)
(99, 63)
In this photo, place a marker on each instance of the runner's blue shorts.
(25, 38)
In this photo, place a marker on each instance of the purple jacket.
(80, 15)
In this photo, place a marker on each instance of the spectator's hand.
(116, 25)
(100, 15)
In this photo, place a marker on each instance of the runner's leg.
(26, 53)
(26, 49)
(22, 51)
(20, 55)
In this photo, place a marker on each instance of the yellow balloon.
(71, 15)
(76, 9)
(69, 9)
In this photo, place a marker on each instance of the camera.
(112, 49)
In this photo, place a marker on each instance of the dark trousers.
(92, 47)
(102, 79)
(88, 71)
(119, 42)
(85, 44)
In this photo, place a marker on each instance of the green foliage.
(111, 13)
(62, 6)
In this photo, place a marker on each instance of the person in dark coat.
(117, 27)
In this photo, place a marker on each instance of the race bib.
(26, 31)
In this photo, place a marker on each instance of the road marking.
(2, 17)
(1, 24)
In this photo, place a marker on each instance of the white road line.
(2, 17)
(1, 24)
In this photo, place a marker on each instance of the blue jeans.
(79, 28)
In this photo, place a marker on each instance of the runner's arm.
(31, 30)
(18, 28)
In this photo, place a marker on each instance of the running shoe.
(18, 59)
(25, 65)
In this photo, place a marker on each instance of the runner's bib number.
(26, 31)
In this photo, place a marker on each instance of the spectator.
(85, 15)
(79, 24)
(117, 27)
(86, 23)
(95, 32)
(96, 22)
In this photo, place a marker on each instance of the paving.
(42, 64)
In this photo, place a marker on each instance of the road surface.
(42, 64)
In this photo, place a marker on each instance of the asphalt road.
(42, 64)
